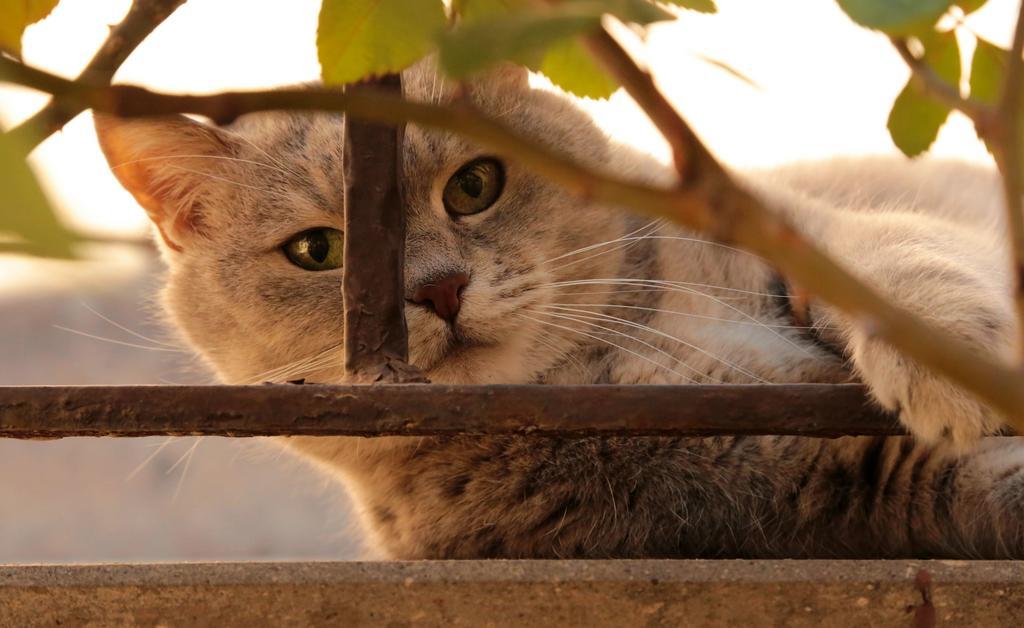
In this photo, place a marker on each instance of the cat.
(511, 279)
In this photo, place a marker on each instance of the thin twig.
(641, 86)
(717, 206)
(142, 18)
(1007, 150)
(937, 87)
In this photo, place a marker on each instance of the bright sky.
(825, 85)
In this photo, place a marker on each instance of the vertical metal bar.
(376, 340)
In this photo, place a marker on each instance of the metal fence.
(389, 397)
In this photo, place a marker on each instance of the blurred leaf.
(569, 66)
(988, 67)
(541, 39)
(471, 10)
(27, 222)
(520, 36)
(896, 17)
(915, 118)
(16, 16)
(357, 39)
(701, 6)
(635, 11)
(566, 63)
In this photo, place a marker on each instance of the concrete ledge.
(515, 593)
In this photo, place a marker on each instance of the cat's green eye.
(316, 249)
(474, 187)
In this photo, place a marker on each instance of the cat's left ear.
(166, 164)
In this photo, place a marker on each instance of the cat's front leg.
(950, 276)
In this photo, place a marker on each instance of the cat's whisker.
(633, 240)
(149, 458)
(693, 240)
(653, 225)
(604, 340)
(564, 293)
(622, 321)
(717, 319)
(620, 247)
(602, 330)
(279, 163)
(229, 181)
(302, 369)
(562, 354)
(189, 455)
(181, 459)
(433, 90)
(117, 342)
(774, 332)
(128, 331)
(329, 356)
(589, 317)
(327, 350)
(664, 284)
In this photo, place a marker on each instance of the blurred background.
(822, 87)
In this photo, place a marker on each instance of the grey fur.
(928, 235)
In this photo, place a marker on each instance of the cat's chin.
(478, 364)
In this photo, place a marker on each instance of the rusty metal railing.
(381, 400)
(388, 397)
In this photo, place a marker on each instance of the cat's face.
(251, 216)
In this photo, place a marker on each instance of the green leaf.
(915, 118)
(16, 16)
(471, 10)
(522, 37)
(641, 12)
(701, 6)
(988, 69)
(896, 17)
(569, 66)
(27, 222)
(541, 39)
(357, 39)
(988, 74)
(635, 11)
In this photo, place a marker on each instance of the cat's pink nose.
(443, 295)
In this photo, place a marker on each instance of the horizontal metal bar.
(430, 409)
(518, 593)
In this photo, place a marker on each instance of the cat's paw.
(930, 407)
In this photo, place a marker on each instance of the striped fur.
(564, 291)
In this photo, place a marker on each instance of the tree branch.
(716, 206)
(142, 18)
(733, 207)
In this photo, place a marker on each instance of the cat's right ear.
(164, 162)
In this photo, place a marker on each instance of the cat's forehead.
(311, 144)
